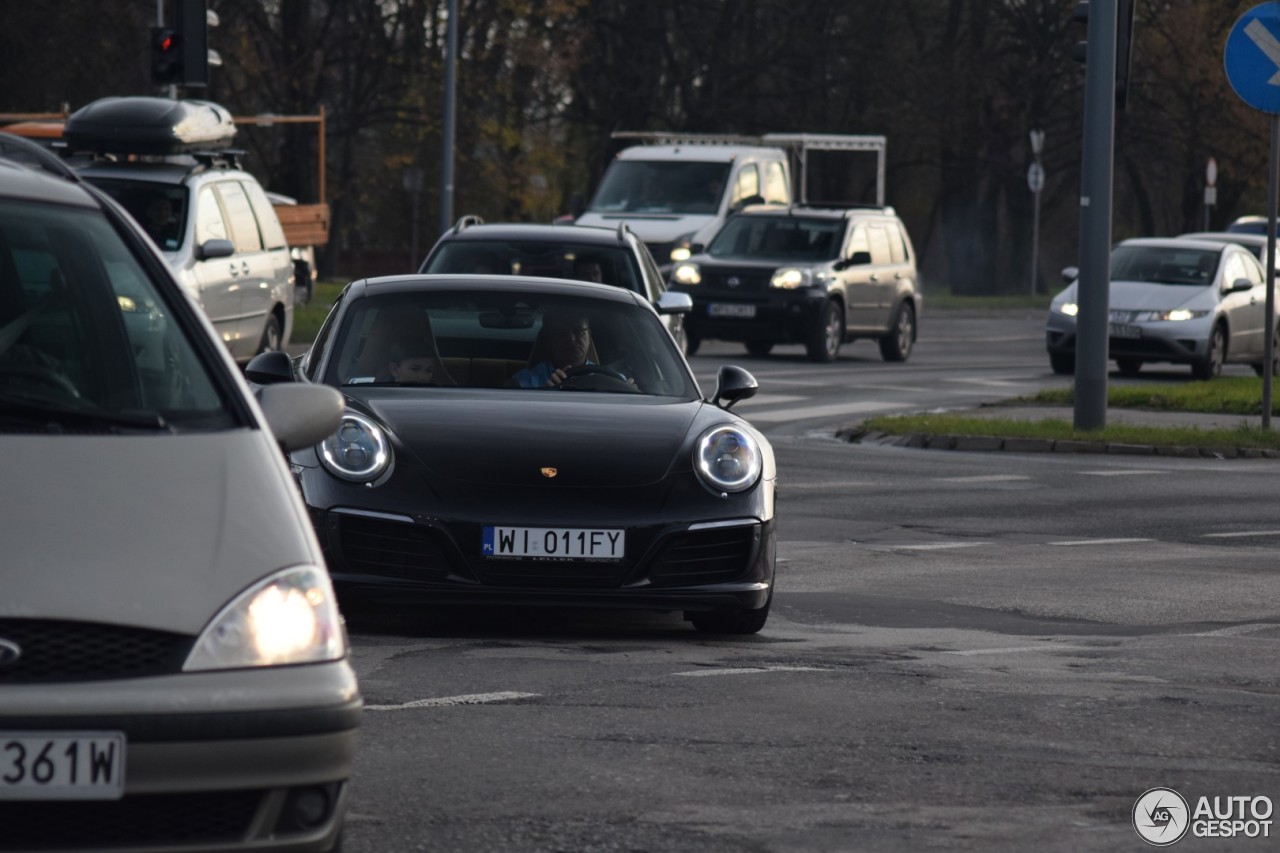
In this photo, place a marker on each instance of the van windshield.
(160, 209)
(658, 186)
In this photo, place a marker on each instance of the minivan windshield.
(86, 333)
(1164, 264)
(160, 209)
(661, 186)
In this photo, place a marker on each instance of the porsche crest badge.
(549, 472)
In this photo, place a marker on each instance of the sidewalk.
(1200, 420)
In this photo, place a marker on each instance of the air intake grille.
(85, 651)
(716, 555)
(138, 823)
(551, 574)
(376, 546)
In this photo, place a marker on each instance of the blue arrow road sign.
(1252, 57)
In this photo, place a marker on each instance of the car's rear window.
(544, 258)
(83, 326)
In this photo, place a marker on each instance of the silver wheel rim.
(904, 330)
(272, 343)
(833, 332)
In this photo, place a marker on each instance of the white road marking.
(445, 701)
(1242, 533)
(772, 399)
(750, 670)
(1017, 649)
(935, 546)
(994, 383)
(1238, 630)
(1123, 473)
(787, 485)
(984, 478)
(1101, 541)
(820, 411)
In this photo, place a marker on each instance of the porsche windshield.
(480, 338)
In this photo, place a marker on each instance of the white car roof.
(1173, 243)
(698, 153)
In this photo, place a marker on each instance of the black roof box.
(145, 125)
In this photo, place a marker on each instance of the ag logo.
(1161, 817)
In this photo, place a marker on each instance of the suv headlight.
(290, 617)
(727, 459)
(686, 274)
(790, 278)
(358, 451)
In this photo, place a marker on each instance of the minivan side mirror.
(733, 384)
(674, 302)
(299, 415)
(214, 249)
(858, 259)
(1070, 274)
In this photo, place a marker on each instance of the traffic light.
(166, 56)
(1124, 43)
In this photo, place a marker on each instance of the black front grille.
(1141, 346)
(753, 281)
(136, 822)
(714, 555)
(376, 546)
(53, 650)
(551, 574)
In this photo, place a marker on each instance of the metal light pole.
(1035, 180)
(1210, 188)
(450, 100)
(413, 185)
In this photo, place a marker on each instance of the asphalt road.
(967, 651)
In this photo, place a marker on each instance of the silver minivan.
(174, 670)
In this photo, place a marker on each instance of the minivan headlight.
(727, 459)
(290, 617)
(686, 274)
(358, 451)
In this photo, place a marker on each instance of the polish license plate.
(731, 309)
(553, 543)
(61, 765)
(1124, 330)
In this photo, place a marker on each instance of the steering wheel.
(597, 377)
(594, 370)
(42, 375)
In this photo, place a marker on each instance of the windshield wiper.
(56, 416)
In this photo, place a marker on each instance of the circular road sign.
(1035, 177)
(1252, 58)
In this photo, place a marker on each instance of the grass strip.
(308, 318)
(1226, 395)
(1244, 435)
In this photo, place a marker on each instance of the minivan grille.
(51, 650)
(714, 555)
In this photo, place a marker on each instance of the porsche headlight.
(686, 274)
(358, 451)
(1068, 308)
(727, 459)
(290, 617)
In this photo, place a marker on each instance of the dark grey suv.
(818, 276)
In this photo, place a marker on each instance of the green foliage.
(1230, 395)
(308, 318)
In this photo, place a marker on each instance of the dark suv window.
(616, 264)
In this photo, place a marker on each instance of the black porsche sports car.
(511, 470)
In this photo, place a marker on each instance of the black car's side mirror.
(270, 368)
(733, 384)
(1070, 274)
(215, 249)
(858, 259)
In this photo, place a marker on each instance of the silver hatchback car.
(1195, 302)
(173, 666)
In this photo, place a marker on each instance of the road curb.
(859, 434)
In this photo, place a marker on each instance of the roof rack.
(465, 222)
(623, 231)
(847, 205)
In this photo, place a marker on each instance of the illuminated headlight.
(358, 451)
(789, 278)
(686, 274)
(727, 459)
(1178, 314)
(1068, 308)
(291, 617)
(681, 253)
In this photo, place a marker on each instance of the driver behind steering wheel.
(567, 341)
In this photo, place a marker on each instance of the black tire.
(1211, 365)
(896, 346)
(759, 348)
(691, 343)
(1063, 364)
(302, 283)
(1129, 366)
(731, 621)
(826, 335)
(1275, 360)
(271, 336)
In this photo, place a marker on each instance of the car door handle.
(235, 273)
(244, 267)
(875, 277)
